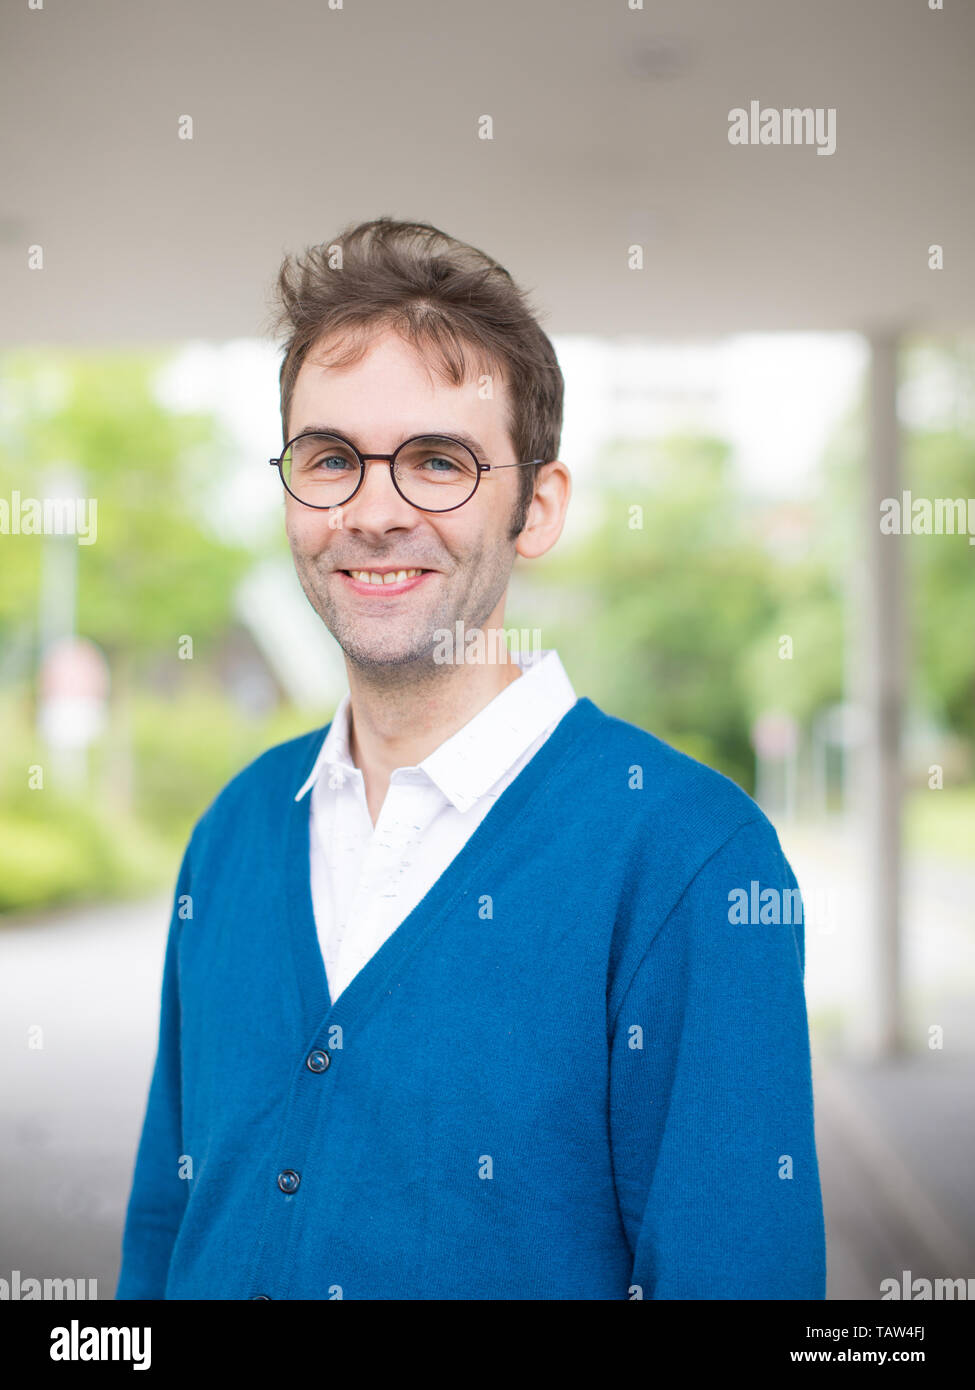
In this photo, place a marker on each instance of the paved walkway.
(895, 1144)
(73, 1107)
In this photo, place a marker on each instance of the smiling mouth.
(381, 577)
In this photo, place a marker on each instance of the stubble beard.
(368, 643)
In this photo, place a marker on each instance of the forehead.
(395, 385)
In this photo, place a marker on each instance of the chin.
(383, 653)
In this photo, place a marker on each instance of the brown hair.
(443, 297)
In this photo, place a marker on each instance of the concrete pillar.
(879, 1029)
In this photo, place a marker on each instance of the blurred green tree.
(664, 597)
(157, 569)
(941, 584)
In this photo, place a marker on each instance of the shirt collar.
(472, 760)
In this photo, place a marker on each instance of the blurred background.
(760, 345)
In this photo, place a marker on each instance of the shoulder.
(693, 847)
(261, 793)
(672, 820)
(659, 784)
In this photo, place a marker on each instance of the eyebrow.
(459, 435)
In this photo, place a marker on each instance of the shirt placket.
(373, 915)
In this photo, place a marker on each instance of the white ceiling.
(610, 127)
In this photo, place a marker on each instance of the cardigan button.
(288, 1180)
(265, 1296)
(317, 1060)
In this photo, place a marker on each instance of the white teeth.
(393, 577)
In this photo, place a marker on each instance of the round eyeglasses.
(430, 471)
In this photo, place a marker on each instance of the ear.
(546, 514)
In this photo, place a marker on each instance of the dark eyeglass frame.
(278, 463)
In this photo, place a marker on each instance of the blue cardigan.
(579, 1069)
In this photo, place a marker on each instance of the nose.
(377, 506)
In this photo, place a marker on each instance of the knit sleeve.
(158, 1196)
(711, 1107)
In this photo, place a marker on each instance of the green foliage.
(188, 746)
(809, 612)
(156, 569)
(938, 460)
(941, 822)
(663, 616)
(55, 850)
(941, 584)
(178, 753)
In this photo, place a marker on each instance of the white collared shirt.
(366, 880)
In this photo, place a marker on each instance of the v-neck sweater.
(366, 877)
(573, 1071)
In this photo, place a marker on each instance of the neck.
(397, 723)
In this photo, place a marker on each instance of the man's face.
(466, 554)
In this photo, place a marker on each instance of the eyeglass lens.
(433, 472)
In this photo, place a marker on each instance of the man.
(454, 1003)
